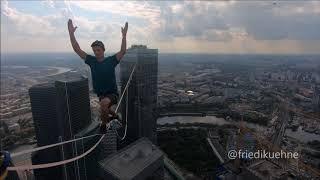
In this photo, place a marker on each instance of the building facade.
(142, 97)
(61, 111)
(45, 117)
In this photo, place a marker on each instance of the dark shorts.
(112, 96)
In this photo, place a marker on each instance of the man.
(5, 160)
(103, 72)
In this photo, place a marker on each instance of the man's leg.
(113, 114)
(114, 100)
(104, 108)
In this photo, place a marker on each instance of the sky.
(268, 27)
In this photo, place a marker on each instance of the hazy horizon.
(200, 53)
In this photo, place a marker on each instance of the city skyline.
(199, 102)
(279, 27)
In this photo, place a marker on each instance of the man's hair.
(98, 43)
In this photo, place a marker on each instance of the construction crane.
(264, 144)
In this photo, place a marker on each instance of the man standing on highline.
(103, 72)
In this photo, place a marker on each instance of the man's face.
(98, 51)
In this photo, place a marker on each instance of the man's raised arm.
(74, 42)
(123, 49)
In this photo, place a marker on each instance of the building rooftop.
(132, 160)
(71, 77)
(138, 46)
(43, 85)
(141, 49)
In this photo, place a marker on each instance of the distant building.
(142, 102)
(249, 144)
(316, 98)
(14, 128)
(139, 160)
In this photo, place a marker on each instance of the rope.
(84, 162)
(53, 164)
(68, 110)
(126, 87)
(127, 98)
(126, 127)
(58, 163)
(51, 145)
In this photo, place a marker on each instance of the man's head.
(98, 48)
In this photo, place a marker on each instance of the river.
(300, 135)
(60, 70)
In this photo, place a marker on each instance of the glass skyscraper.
(142, 100)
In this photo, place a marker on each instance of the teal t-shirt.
(103, 74)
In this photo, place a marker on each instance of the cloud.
(199, 20)
(212, 26)
(284, 20)
(48, 3)
(26, 24)
(127, 9)
(18, 27)
(138, 9)
(261, 20)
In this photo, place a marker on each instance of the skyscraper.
(60, 110)
(45, 119)
(142, 100)
(73, 105)
(44, 113)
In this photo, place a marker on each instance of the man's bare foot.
(115, 116)
(115, 124)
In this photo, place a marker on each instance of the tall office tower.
(47, 156)
(73, 105)
(60, 112)
(142, 100)
(74, 115)
(45, 119)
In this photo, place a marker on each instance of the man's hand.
(122, 51)
(73, 40)
(71, 28)
(124, 30)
